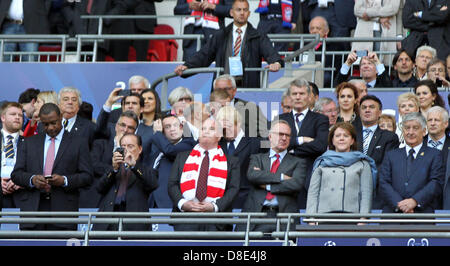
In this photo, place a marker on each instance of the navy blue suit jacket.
(160, 143)
(424, 185)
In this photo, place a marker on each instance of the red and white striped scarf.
(217, 176)
(205, 19)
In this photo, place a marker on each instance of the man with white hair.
(437, 122)
(138, 83)
(411, 178)
(69, 101)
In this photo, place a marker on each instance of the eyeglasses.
(425, 57)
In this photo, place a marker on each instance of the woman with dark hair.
(343, 178)
(428, 95)
(347, 97)
(152, 106)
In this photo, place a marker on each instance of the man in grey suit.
(276, 178)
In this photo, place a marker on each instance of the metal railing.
(373, 225)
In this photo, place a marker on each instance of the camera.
(48, 177)
(438, 82)
(125, 92)
(120, 150)
(361, 53)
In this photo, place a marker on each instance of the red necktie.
(89, 6)
(237, 43)
(273, 169)
(202, 181)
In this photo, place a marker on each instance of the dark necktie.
(273, 169)
(298, 121)
(9, 147)
(409, 162)
(231, 148)
(125, 174)
(368, 85)
(202, 181)
(65, 123)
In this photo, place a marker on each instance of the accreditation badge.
(236, 68)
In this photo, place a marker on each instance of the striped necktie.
(65, 123)
(237, 43)
(434, 144)
(366, 140)
(9, 147)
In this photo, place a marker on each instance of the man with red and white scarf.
(205, 17)
(204, 179)
(278, 17)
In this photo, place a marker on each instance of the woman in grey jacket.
(342, 178)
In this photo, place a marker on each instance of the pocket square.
(378, 147)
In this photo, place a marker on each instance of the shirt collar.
(57, 138)
(372, 128)
(416, 149)
(442, 140)
(304, 112)
(243, 28)
(282, 154)
(5, 135)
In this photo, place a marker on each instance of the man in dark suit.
(73, 10)
(338, 13)
(372, 140)
(437, 138)
(119, 48)
(372, 71)
(198, 183)
(167, 142)
(225, 49)
(51, 167)
(126, 188)
(69, 101)
(235, 143)
(214, 14)
(428, 24)
(28, 17)
(11, 141)
(309, 137)
(276, 178)
(101, 154)
(249, 111)
(411, 178)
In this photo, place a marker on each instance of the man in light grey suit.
(276, 178)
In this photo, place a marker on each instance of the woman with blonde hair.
(42, 98)
(407, 103)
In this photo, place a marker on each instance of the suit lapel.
(62, 147)
(40, 144)
(266, 161)
(373, 142)
(242, 144)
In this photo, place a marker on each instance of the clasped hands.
(192, 206)
(40, 182)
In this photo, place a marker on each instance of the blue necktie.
(434, 144)
(9, 147)
(231, 148)
(409, 162)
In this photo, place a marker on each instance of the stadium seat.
(49, 48)
(162, 50)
